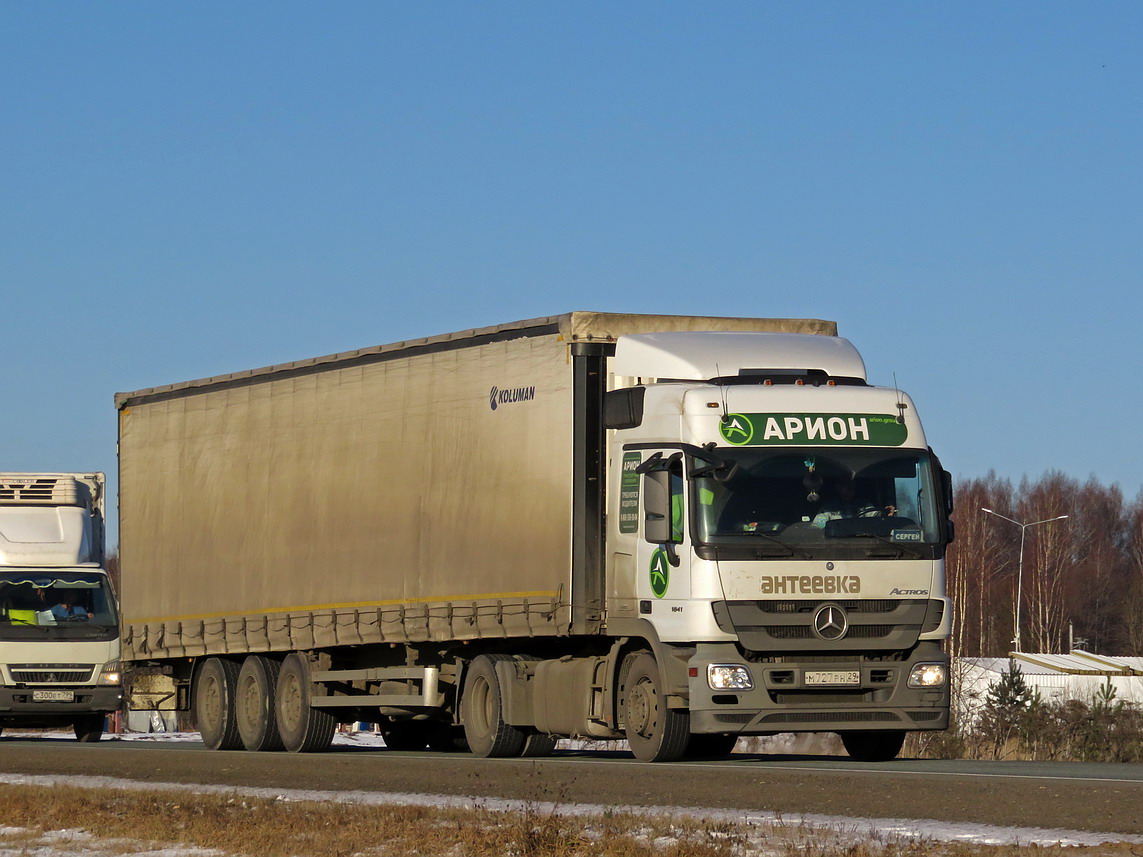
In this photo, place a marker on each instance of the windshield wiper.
(793, 550)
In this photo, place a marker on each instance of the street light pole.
(1020, 564)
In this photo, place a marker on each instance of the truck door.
(663, 554)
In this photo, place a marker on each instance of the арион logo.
(498, 397)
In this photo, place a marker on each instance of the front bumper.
(781, 700)
(18, 708)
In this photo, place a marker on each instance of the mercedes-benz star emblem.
(830, 622)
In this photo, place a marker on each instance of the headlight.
(729, 677)
(928, 675)
(111, 674)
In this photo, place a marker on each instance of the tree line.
(1081, 580)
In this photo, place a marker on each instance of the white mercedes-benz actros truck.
(668, 530)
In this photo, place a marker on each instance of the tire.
(407, 734)
(872, 746)
(214, 692)
(655, 733)
(89, 728)
(538, 744)
(304, 729)
(710, 746)
(482, 710)
(254, 704)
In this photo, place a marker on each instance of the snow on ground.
(881, 828)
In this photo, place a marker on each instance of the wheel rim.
(290, 694)
(212, 702)
(249, 707)
(482, 705)
(642, 709)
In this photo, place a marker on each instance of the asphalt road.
(1053, 795)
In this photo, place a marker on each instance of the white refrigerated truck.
(669, 530)
(59, 629)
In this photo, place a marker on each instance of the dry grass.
(125, 822)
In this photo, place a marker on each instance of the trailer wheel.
(482, 710)
(254, 703)
(873, 746)
(654, 732)
(304, 729)
(89, 727)
(214, 692)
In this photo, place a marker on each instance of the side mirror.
(657, 506)
(947, 491)
(623, 408)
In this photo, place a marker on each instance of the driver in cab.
(68, 610)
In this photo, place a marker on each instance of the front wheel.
(654, 732)
(873, 746)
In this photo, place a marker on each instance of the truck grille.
(777, 625)
(51, 673)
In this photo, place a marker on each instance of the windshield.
(814, 500)
(71, 601)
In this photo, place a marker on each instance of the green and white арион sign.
(813, 429)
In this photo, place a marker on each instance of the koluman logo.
(498, 397)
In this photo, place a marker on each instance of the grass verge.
(130, 821)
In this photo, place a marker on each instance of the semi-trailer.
(668, 530)
(59, 629)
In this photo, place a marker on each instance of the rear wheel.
(538, 744)
(214, 693)
(654, 732)
(304, 729)
(89, 727)
(482, 710)
(873, 746)
(254, 703)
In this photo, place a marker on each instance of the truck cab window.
(678, 504)
(812, 498)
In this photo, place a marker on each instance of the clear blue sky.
(190, 189)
